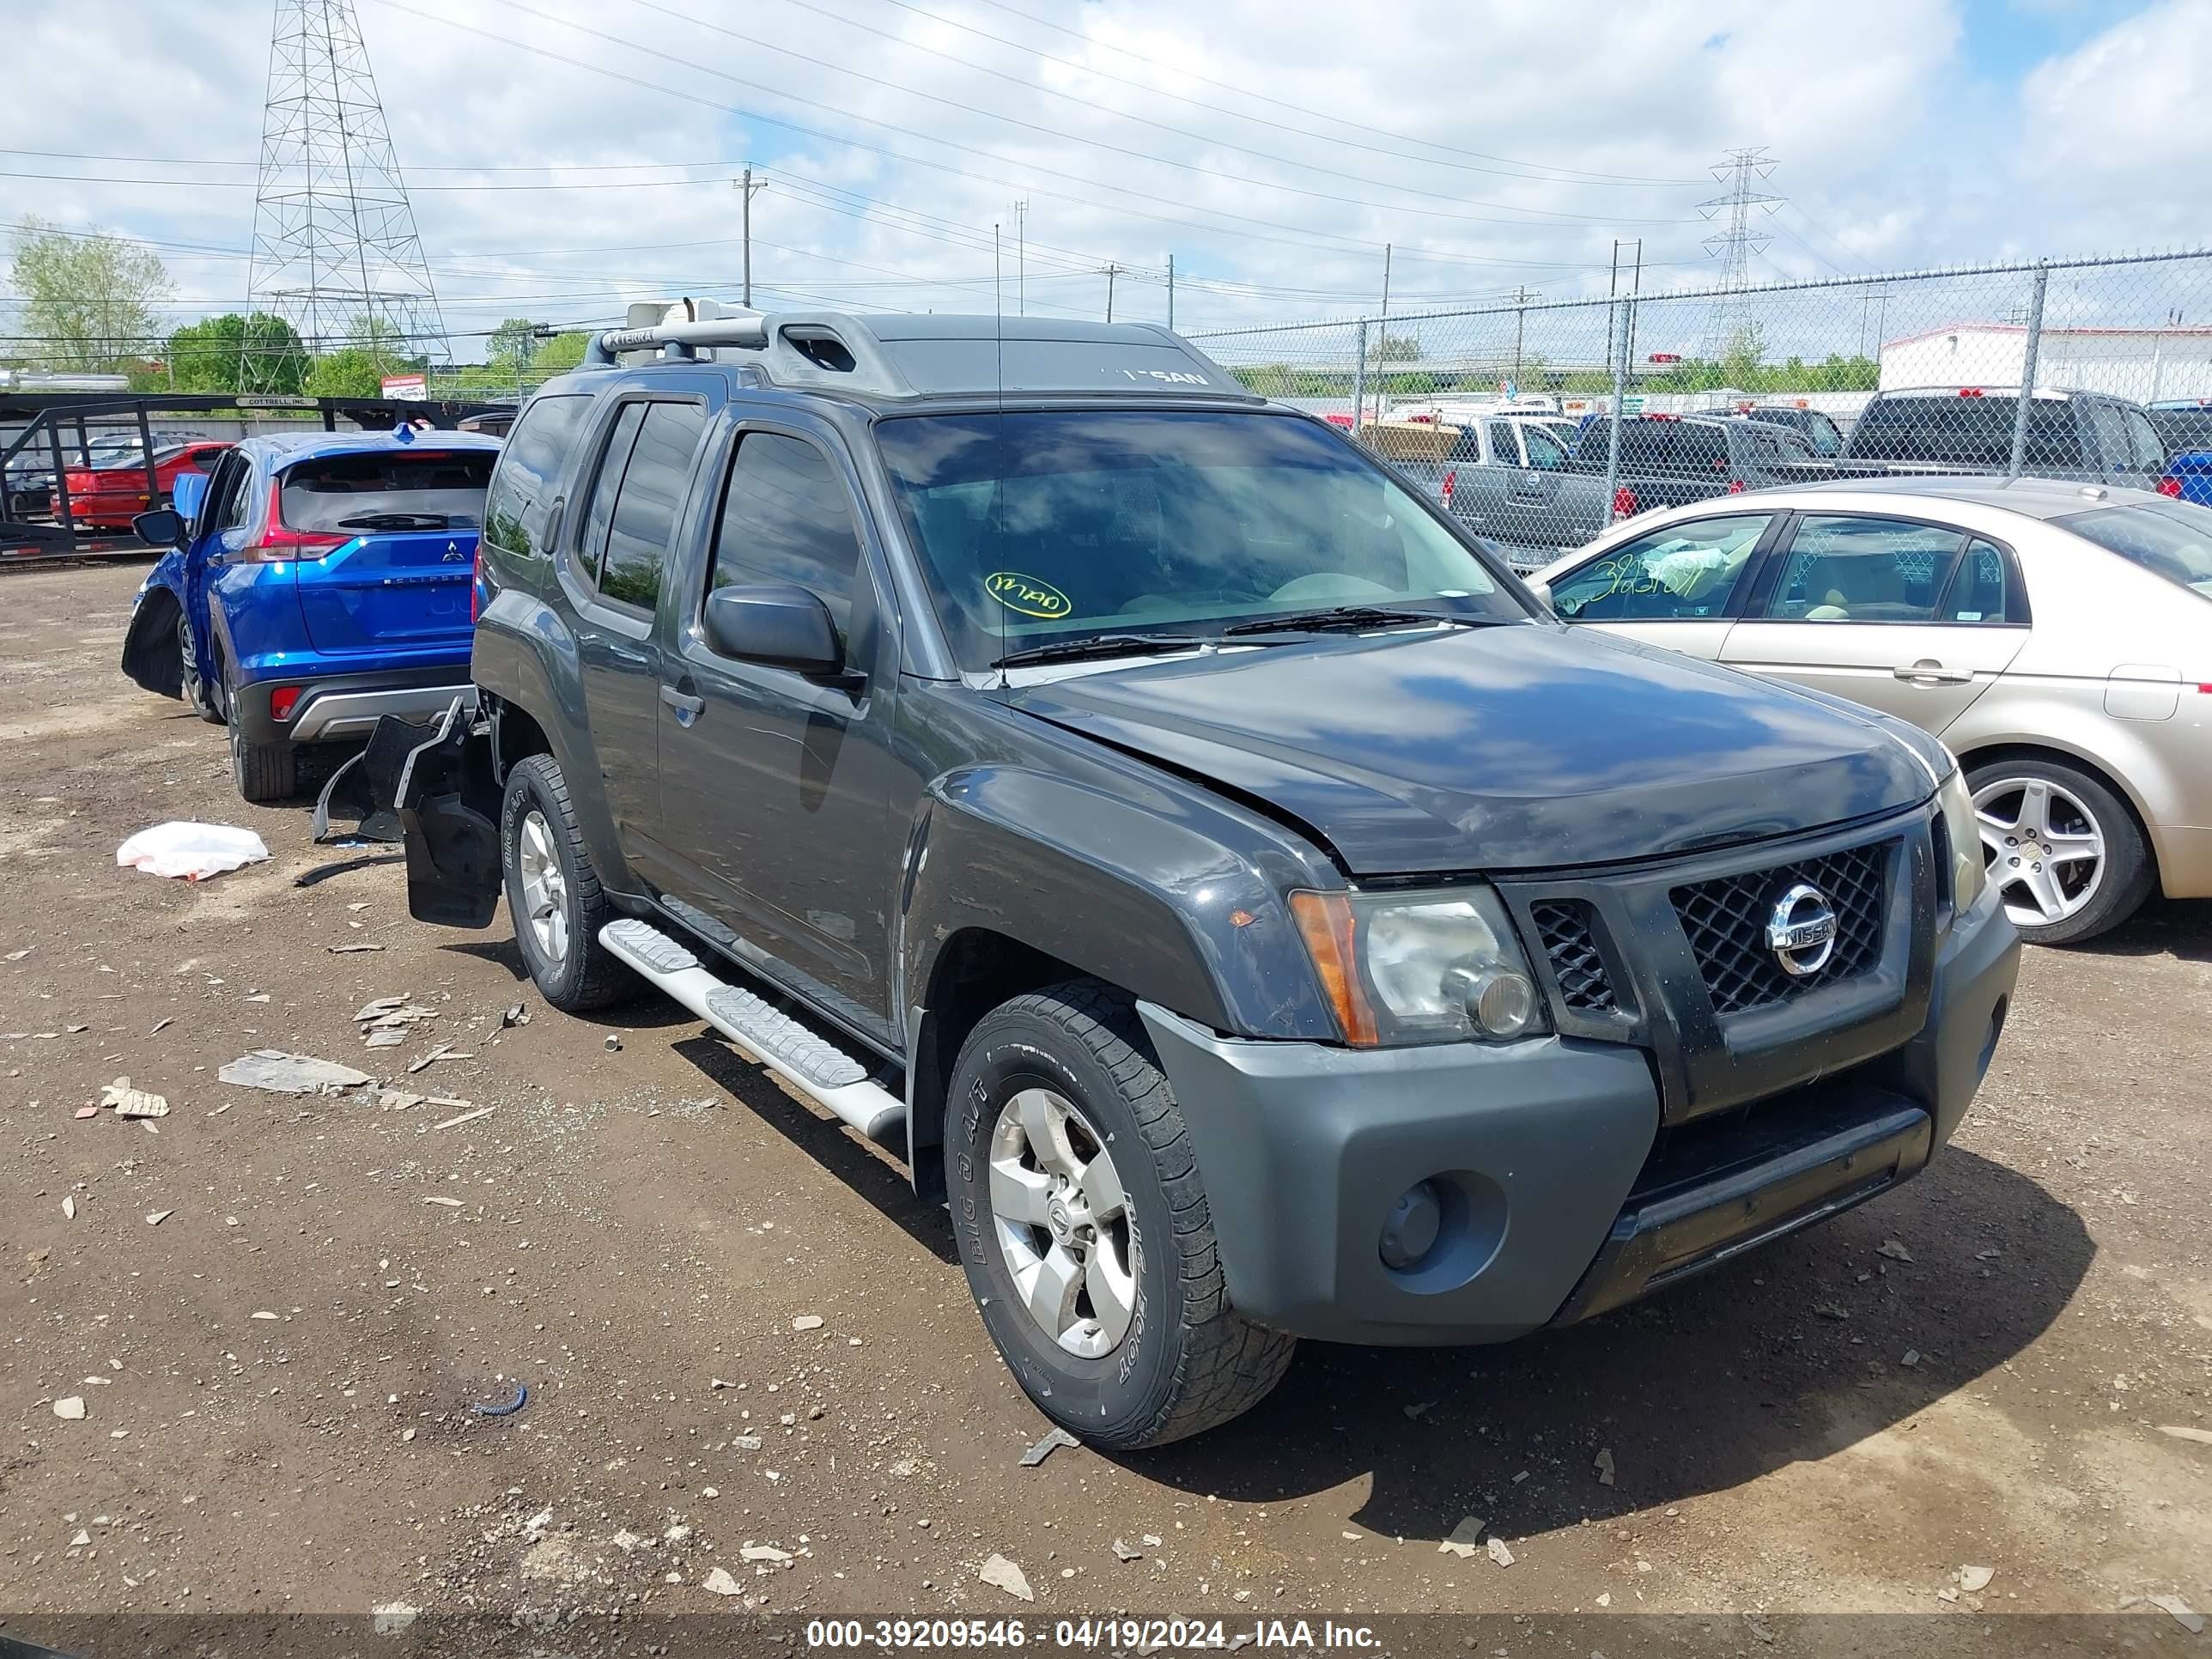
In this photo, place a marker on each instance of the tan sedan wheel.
(2065, 854)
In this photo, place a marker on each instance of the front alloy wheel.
(1062, 1222)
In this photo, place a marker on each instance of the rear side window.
(1950, 430)
(388, 490)
(645, 509)
(785, 517)
(592, 548)
(2150, 449)
(1981, 588)
(1846, 568)
(2110, 428)
(522, 485)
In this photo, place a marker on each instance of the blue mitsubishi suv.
(314, 582)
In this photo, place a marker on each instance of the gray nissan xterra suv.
(1227, 887)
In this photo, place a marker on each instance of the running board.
(818, 1070)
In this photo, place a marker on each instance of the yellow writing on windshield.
(1027, 594)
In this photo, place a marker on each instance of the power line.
(1569, 174)
(1302, 236)
(1143, 155)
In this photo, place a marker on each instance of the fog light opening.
(1411, 1232)
(282, 701)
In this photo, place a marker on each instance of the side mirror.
(188, 494)
(1542, 590)
(776, 623)
(163, 527)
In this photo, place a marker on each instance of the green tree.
(560, 354)
(1397, 349)
(87, 301)
(513, 344)
(357, 369)
(1740, 362)
(208, 355)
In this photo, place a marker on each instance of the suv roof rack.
(896, 355)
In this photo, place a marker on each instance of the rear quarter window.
(392, 490)
(530, 464)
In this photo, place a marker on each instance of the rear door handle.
(687, 706)
(1929, 672)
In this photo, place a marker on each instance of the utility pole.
(1112, 271)
(1521, 294)
(1170, 292)
(1742, 171)
(748, 187)
(1021, 259)
(1382, 343)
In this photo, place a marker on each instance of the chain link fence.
(1539, 422)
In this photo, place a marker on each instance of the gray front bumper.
(1561, 1198)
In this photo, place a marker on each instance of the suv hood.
(1504, 748)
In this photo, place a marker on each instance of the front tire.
(2067, 856)
(1083, 1225)
(554, 895)
(196, 690)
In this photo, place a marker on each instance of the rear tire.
(1141, 1347)
(2030, 804)
(266, 774)
(553, 894)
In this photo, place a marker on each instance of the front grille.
(1725, 920)
(1564, 929)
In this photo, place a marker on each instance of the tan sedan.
(2057, 636)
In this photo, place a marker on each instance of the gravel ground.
(278, 1374)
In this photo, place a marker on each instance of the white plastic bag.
(194, 851)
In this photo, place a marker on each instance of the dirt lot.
(277, 1376)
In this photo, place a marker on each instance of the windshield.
(1040, 526)
(388, 489)
(2173, 539)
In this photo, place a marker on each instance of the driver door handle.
(688, 707)
(1928, 671)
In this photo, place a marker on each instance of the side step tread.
(652, 947)
(773, 1032)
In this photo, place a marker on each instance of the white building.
(2145, 364)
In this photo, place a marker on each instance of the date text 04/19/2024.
(1122, 1633)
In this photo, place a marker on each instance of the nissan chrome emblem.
(1800, 930)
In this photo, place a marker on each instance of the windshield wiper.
(397, 521)
(1101, 645)
(1347, 617)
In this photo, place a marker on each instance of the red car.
(109, 493)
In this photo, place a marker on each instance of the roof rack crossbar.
(749, 333)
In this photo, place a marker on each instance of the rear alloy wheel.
(2067, 857)
(554, 895)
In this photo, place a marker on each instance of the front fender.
(1147, 900)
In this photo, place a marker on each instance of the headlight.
(1962, 828)
(1425, 966)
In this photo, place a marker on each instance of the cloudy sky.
(567, 156)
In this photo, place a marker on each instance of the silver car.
(2057, 636)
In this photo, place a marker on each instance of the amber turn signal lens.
(1325, 922)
